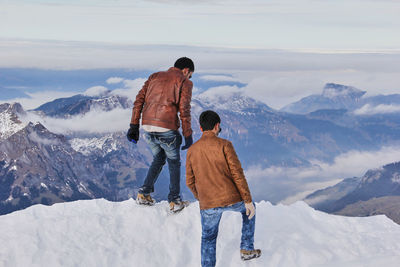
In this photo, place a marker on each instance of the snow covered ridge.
(87, 146)
(9, 122)
(102, 233)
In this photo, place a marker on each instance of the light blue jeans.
(164, 146)
(210, 219)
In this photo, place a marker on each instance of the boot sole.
(246, 258)
(185, 204)
(145, 203)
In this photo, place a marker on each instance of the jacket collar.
(208, 133)
(173, 68)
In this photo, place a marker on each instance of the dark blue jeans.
(210, 219)
(164, 146)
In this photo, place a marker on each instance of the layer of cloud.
(44, 141)
(379, 109)
(94, 122)
(289, 184)
(114, 80)
(219, 78)
(128, 89)
(131, 88)
(215, 93)
(39, 98)
(275, 77)
(96, 91)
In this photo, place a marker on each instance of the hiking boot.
(177, 205)
(249, 254)
(143, 199)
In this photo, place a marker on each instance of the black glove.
(188, 142)
(133, 133)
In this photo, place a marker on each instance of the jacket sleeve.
(190, 179)
(184, 107)
(139, 102)
(237, 172)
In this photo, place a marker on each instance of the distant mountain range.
(377, 192)
(38, 166)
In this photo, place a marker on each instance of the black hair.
(184, 62)
(208, 119)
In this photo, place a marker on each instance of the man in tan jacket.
(215, 177)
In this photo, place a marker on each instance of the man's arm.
(184, 107)
(139, 102)
(237, 172)
(190, 179)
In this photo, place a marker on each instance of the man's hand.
(250, 210)
(133, 133)
(188, 142)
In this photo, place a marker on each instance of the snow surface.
(103, 233)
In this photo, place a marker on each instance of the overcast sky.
(276, 24)
(282, 50)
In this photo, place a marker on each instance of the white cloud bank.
(96, 91)
(95, 121)
(128, 89)
(39, 98)
(290, 184)
(214, 93)
(276, 77)
(219, 78)
(379, 109)
(114, 80)
(131, 88)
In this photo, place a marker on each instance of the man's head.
(186, 65)
(210, 121)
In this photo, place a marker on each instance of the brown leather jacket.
(214, 173)
(162, 96)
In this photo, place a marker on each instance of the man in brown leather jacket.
(215, 177)
(163, 96)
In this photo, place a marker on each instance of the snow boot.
(249, 254)
(143, 199)
(177, 205)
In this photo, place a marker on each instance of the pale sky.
(281, 49)
(274, 24)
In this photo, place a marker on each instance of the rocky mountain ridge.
(374, 193)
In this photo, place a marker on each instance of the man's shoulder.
(205, 141)
(194, 146)
(224, 141)
(188, 83)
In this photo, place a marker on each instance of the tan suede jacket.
(214, 173)
(163, 95)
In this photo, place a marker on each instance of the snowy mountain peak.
(9, 119)
(334, 96)
(81, 104)
(231, 99)
(333, 90)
